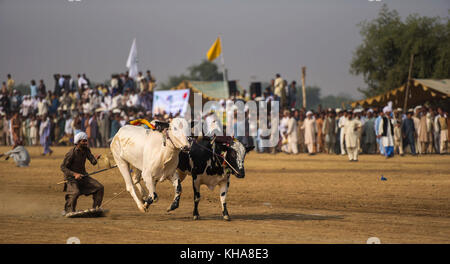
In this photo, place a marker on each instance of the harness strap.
(218, 156)
(168, 137)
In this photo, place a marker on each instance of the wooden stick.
(303, 86)
(95, 172)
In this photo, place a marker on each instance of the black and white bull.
(206, 167)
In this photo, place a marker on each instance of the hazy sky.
(260, 38)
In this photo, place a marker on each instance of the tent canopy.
(442, 86)
(420, 91)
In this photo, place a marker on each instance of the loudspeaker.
(232, 87)
(255, 88)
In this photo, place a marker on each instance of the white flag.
(132, 61)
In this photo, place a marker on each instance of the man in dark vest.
(386, 132)
(74, 170)
(408, 132)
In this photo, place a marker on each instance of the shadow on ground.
(263, 217)
(287, 216)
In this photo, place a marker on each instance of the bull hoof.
(226, 218)
(148, 202)
(143, 209)
(174, 204)
(172, 207)
(196, 217)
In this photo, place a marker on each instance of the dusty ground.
(283, 199)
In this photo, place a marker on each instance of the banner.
(170, 102)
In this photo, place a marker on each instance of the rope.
(115, 196)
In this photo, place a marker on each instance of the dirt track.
(283, 199)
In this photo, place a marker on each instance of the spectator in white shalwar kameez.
(283, 131)
(416, 119)
(352, 130)
(292, 134)
(341, 124)
(386, 132)
(398, 139)
(309, 126)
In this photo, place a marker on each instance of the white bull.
(151, 155)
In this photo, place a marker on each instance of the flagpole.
(405, 105)
(222, 59)
(304, 86)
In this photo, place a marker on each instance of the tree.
(335, 101)
(205, 71)
(312, 97)
(23, 89)
(383, 57)
(173, 81)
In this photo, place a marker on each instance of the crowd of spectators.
(53, 117)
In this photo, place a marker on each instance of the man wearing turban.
(75, 173)
(386, 132)
(352, 128)
(309, 125)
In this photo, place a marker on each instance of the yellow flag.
(215, 50)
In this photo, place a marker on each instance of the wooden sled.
(98, 212)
